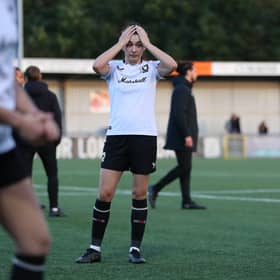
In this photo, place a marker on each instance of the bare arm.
(101, 65)
(9, 117)
(32, 124)
(23, 105)
(28, 125)
(167, 63)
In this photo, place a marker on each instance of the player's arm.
(32, 124)
(28, 126)
(9, 117)
(35, 125)
(167, 63)
(23, 105)
(101, 63)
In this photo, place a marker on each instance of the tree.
(189, 29)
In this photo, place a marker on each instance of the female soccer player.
(131, 140)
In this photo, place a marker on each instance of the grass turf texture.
(237, 237)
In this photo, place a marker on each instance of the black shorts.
(12, 168)
(136, 153)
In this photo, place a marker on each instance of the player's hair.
(32, 73)
(184, 66)
(130, 23)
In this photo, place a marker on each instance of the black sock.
(28, 267)
(100, 218)
(139, 214)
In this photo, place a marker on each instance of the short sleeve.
(112, 66)
(155, 64)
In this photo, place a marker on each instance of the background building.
(249, 89)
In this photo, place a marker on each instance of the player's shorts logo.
(103, 156)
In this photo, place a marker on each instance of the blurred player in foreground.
(20, 214)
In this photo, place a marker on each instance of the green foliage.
(189, 29)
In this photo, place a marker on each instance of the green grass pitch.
(236, 238)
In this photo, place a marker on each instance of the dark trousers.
(47, 155)
(181, 171)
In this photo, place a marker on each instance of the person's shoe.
(42, 206)
(56, 212)
(90, 256)
(152, 196)
(134, 256)
(193, 206)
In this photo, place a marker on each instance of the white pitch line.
(232, 174)
(237, 198)
(85, 191)
(241, 191)
(194, 174)
(95, 189)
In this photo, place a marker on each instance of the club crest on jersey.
(144, 68)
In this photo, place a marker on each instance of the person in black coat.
(182, 135)
(46, 101)
(233, 124)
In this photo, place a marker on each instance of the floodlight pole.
(20, 32)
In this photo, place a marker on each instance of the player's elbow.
(94, 68)
(97, 67)
(173, 65)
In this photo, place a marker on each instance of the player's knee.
(139, 194)
(106, 196)
(45, 243)
(38, 246)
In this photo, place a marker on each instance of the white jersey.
(132, 90)
(8, 47)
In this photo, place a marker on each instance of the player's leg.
(113, 163)
(100, 214)
(21, 216)
(109, 180)
(23, 219)
(143, 162)
(139, 212)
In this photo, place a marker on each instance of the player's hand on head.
(126, 34)
(143, 35)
